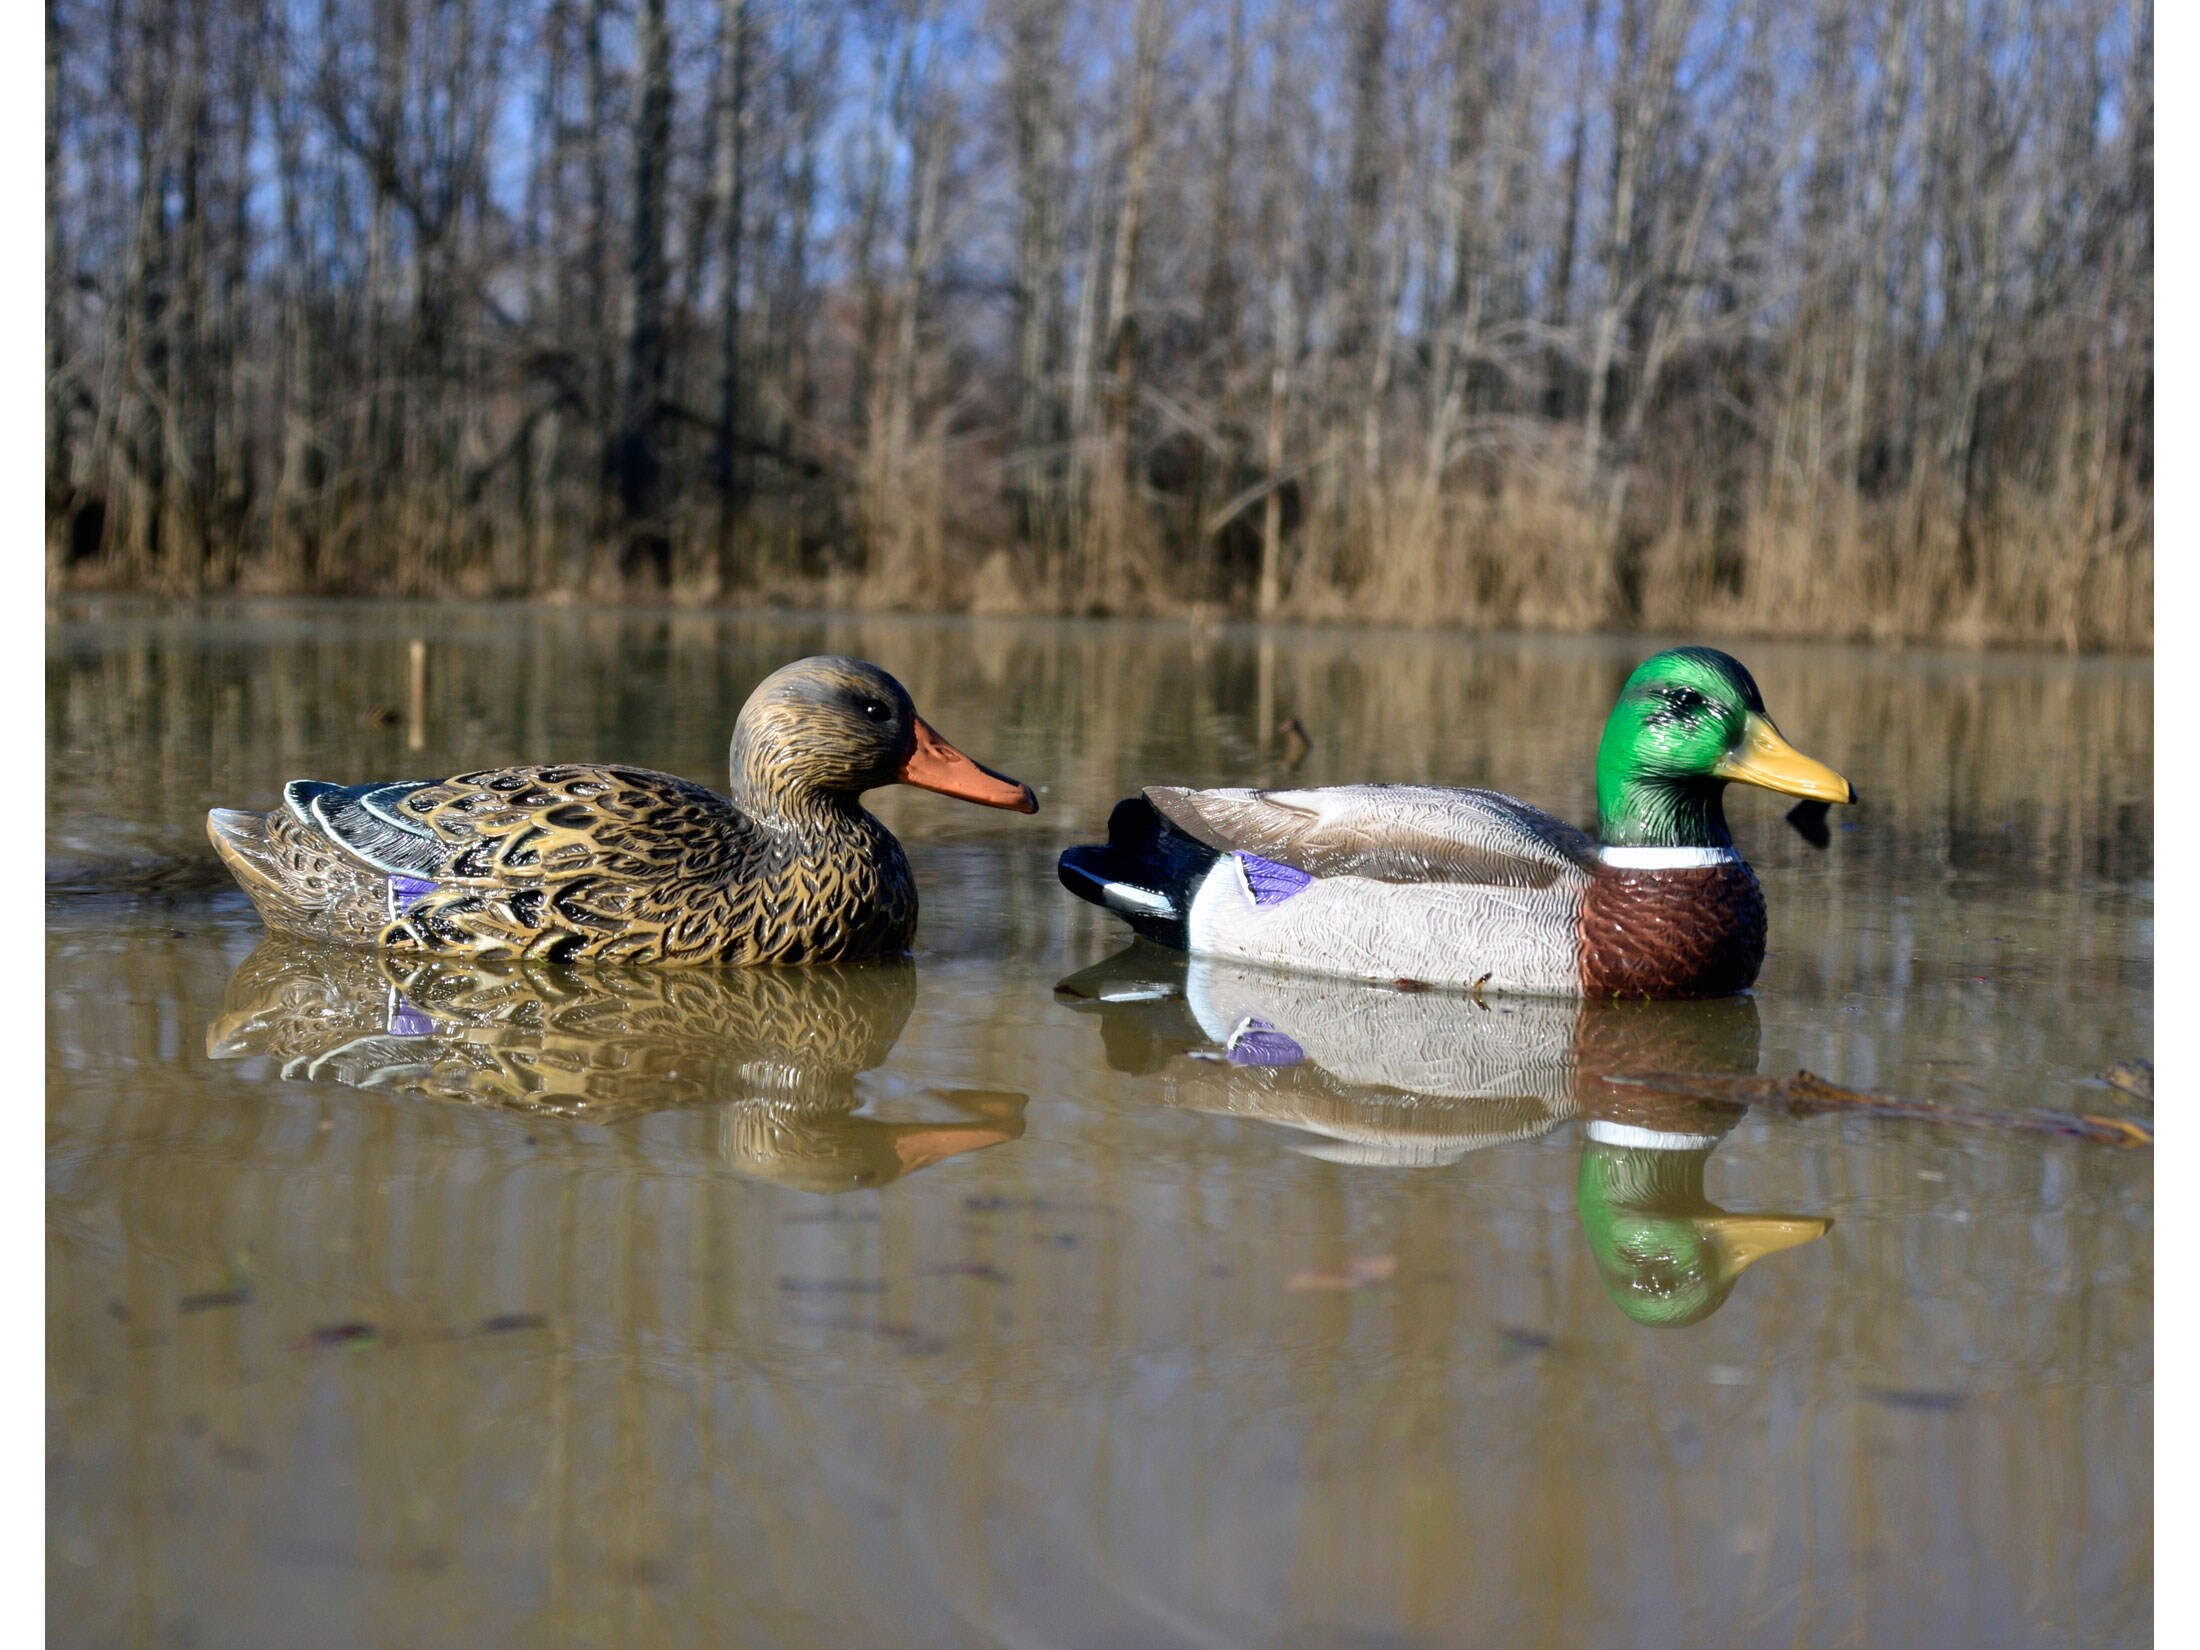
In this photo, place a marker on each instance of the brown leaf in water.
(1357, 1273)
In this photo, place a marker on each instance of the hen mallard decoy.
(1471, 888)
(619, 864)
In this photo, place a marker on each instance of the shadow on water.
(1372, 1076)
(778, 1049)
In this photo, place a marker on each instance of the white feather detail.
(1629, 1134)
(1441, 933)
(1666, 859)
(1124, 897)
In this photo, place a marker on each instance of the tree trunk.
(726, 470)
(645, 543)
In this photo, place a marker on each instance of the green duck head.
(1667, 1255)
(1689, 722)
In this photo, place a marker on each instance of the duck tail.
(245, 846)
(294, 882)
(1146, 872)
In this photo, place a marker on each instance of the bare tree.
(1571, 312)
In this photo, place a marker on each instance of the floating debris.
(1296, 741)
(2134, 1077)
(335, 1334)
(1804, 1093)
(508, 1323)
(1903, 1397)
(1358, 1273)
(239, 1295)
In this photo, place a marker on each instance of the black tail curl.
(1146, 872)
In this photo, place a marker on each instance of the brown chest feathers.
(1694, 932)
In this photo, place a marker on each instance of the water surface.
(1044, 1290)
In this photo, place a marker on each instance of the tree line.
(1825, 318)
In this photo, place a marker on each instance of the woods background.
(1828, 318)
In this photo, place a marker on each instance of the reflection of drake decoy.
(1418, 1079)
(1665, 1252)
(783, 1046)
(1411, 1078)
(1466, 887)
(619, 864)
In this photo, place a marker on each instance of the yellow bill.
(1764, 758)
(1739, 1240)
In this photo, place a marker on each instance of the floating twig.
(1805, 1092)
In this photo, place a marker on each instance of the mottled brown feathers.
(1694, 932)
(599, 1043)
(575, 862)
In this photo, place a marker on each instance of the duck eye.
(1686, 700)
(876, 710)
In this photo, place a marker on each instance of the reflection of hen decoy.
(1419, 1079)
(604, 1044)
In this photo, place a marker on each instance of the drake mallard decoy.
(619, 864)
(1471, 888)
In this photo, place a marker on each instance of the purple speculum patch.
(407, 1021)
(1261, 1044)
(1271, 883)
(404, 890)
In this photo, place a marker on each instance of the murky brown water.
(1180, 1306)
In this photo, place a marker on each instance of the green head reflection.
(1370, 1077)
(1666, 1254)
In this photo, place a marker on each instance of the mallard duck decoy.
(1471, 888)
(617, 864)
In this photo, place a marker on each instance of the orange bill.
(935, 765)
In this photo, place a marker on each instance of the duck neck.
(766, 791)
(1638, 812)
